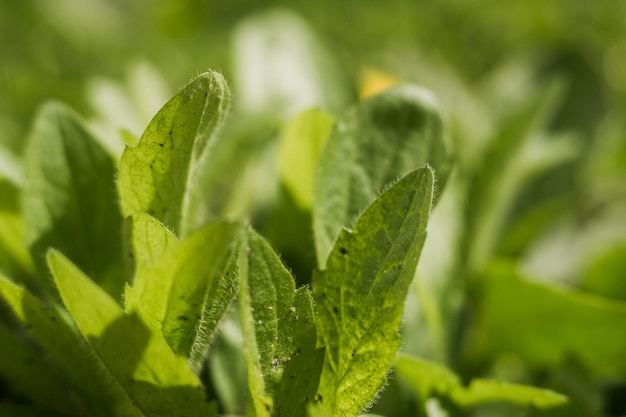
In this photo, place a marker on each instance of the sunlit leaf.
(158, 176)
(374, 143)
(146, 369)
(360, 294)
(184, 293)
(279, 333)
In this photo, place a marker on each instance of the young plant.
(138, 294)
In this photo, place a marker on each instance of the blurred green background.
(55, 49)
(552, 71)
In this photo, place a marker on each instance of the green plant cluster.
(295, 250)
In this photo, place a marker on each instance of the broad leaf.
(380, 139)
(279, 333)
(430, 379)
(69, 201)
(159, 175)
(67, 351)
(550, 323)
(184, 294)
(360, 294)
(158, 382)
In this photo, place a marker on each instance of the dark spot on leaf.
(198, 316)
(292, 376)
(161, 144)
(318, 398)
(353, 353)
(182, 297)
(53, 318)
(183, 318)
(335, 310)
(343, 251)
(267, 407)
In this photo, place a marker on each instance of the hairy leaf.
(360, 294)
(383, 137)
(184, 294)
(69, 201)
(159, 175)
(279, 333)
(158, 382)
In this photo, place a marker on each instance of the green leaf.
(15, 259)
(302, 141)
(606, 273)
(158, 176)
(158, 382)
(279, 333)
(360, 295)
(146, 240)
(184, 294)
(69, 201)
(550, 323)
(430, 379)
(67, 351)
(32, 376)
(378, 140)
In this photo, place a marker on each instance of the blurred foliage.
(534, 94)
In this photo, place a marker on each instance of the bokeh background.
(551, 69)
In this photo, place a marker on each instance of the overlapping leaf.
(69, 201)
(360, 294)
(183, 293)
(279, 332)
(101, 396)
(377, 141)
(150, 375)
(159, 175)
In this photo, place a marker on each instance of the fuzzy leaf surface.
(159, 175)
(360, 294)
(432, 379)
(380, 139)
(279, 333)
(184, 294)
(69, 201)
(158, 382)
